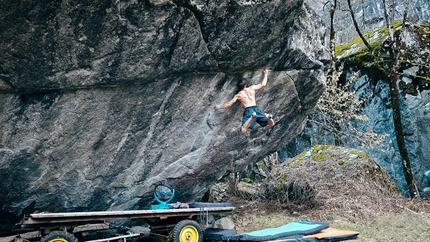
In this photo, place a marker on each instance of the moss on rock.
(414, 52)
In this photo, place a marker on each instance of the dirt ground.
(345, 188)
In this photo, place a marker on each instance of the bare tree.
(333, 7)
(335, 124)
(338, 107)
(390, 68)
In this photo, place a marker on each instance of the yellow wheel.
(187, 231)
(58, 240)
(59, 236)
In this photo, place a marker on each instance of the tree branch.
(356, 26)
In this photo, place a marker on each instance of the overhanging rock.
(102, 100)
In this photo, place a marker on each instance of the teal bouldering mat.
(296, 229)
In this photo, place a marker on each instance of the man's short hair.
(241, 84)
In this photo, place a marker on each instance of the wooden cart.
(183, 224)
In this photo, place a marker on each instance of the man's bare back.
(247, 97)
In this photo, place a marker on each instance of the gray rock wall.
(101, 100)
(415, 111)
(373, 87)
(369, 15)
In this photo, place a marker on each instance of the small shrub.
(291, 193)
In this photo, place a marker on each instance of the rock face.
(415, 111)
(369, 15)
(103, 99)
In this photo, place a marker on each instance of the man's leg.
(248, 122)
(246, 125)
(270, 121)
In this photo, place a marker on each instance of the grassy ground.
(398, 227)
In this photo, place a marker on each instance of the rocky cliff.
(372, 86)
(103, 99)
(369, 15)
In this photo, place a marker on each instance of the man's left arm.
(263, 81)
(227, 104)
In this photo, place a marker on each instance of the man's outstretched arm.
(263, 81)
(227, 104)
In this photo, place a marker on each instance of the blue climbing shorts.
(261, 117)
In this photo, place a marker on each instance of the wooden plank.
(90, 227)
(35, 220)
(332, 233)
(149, 213)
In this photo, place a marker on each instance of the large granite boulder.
(101, 100)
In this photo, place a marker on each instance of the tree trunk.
(393, 73)
(334, 120)
(332, 33)
(337, 135)
(395, 103)
(400, 137)
(397, 115)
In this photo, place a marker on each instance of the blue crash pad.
(294, 229)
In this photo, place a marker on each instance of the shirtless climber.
(252, 114)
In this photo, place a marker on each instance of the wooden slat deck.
(39, 219)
